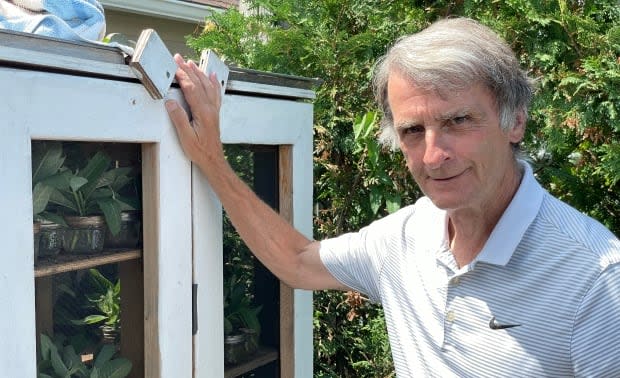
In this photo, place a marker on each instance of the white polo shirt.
(548, 279)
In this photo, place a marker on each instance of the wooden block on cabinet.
(153, 64)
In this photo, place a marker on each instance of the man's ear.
(516, 133)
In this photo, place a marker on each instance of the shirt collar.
(516, 219)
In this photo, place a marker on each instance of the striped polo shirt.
(541, 299)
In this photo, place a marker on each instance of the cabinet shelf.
(66, 263)
(262, 357)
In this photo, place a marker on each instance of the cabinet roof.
(98, 60)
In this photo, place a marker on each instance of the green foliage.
(571, 47)
(105, 301)
(338, 42)
(350, 339)
(60, 360)
(238, 309)
(93, 189)
(47, 163)
(373, 169)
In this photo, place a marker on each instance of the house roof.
(181, 10)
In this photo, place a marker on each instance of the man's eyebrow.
(459, 112)
(406, 124)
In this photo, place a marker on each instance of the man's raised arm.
(287, 253)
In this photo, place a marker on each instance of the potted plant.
(90, 201)
(105, 300)
(47, 162)
(241, 325)
(130, 233)
(60, 359)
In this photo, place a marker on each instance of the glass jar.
(130, 234)
(84, 234)
(109, 334)
(234, 349)
(50, 239)
(251, 340)
(36, 235)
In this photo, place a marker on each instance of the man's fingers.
(188, 81)
(197, 88)
(215, 84)
(203, 97)
(180, 120)
(210, 84)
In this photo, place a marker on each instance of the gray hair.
(451, 55)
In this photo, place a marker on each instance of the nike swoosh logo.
(494, 324)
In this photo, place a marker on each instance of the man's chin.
(445, 202)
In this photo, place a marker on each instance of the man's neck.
(469, 229)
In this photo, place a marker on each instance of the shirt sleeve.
(356, 259)
(595, 347)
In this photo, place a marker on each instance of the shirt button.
(455, 281)
(450, 316)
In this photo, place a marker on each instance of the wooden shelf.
(47, 266)
(262, 357)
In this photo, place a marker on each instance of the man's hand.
(200, 137)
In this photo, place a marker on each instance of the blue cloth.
(76, 20)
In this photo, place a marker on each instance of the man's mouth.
(445, 177)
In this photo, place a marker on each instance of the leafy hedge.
(573, 136)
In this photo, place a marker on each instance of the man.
(487, 274)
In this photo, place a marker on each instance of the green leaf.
(63, 199)
(59, 367)
(93, 172)
(101, 282)
(40, 197)
(393, 202)
(77, 182)
(94, 373)
(129, 203)
(52, 217)
(375, 200)
(46, 346)
(117, 368)
(116, 178)
(363, 126)
(46, 160)
(105, 354)
(111, 209)
(73, 361)
(59, 180)
(94, 319)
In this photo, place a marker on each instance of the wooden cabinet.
(172, 285)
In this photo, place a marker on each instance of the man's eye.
(413, 130)
(459, 120)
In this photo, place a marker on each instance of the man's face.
(453, 145)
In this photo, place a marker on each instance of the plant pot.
(50, 239)
(130, 235)
(84, 235)
(234, 349)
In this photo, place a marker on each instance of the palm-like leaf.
(46, 160)
(92, 190)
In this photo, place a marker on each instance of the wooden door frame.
(266, 121)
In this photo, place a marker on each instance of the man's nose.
(435, 152)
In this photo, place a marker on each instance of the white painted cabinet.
(54, 90)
